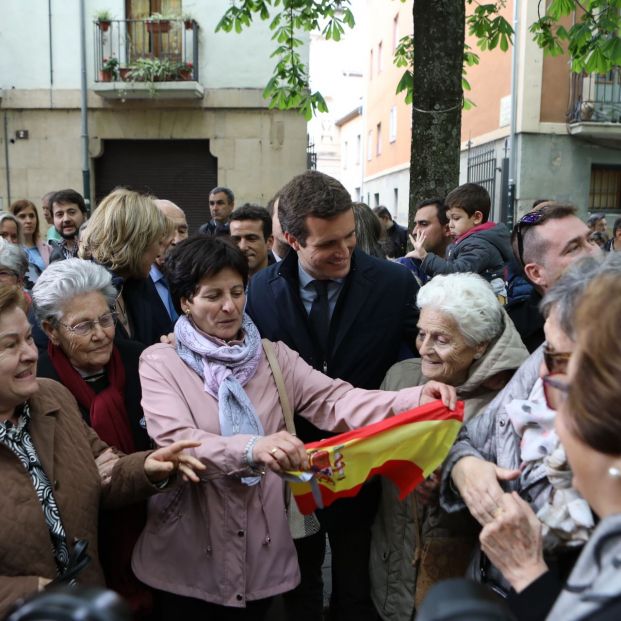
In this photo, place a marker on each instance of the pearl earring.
(615, 473)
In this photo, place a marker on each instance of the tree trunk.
(439, 31)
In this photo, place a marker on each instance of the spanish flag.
(406, 448)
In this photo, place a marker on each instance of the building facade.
(567, 126)
(173, 107)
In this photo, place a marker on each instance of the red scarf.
(107, 409)
(475, 229)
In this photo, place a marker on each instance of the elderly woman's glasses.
(86, 327)
(532, 218)
(556, 361)
(556, 390)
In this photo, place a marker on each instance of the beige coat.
(394, 542)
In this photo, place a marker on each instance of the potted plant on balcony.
(184, 71)
(158, 23)
(109, 69)
(103, 19)
(151, 70)
(188, 21)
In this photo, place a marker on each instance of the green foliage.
(592, 41)
(289, 86)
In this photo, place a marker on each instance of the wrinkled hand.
(160, 464)
(280, 451)
(105, 464)
(513, 542)
(432, 391)
(477, 483)
(427, 491)
(418, 242)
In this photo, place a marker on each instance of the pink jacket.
(222, 541)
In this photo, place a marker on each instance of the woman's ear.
(480, 351)
(51, 331)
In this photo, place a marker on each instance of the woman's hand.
(418, 243)
(513, 542)
(432, 391)
(477, 483)
(160, 464)
(280, 451)
(105, 463)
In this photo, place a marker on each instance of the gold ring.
(273, 451)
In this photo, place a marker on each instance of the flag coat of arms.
(406, 448)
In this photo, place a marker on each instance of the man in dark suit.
(348, 315)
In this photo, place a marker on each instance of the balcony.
(146, 58)
(595, 106)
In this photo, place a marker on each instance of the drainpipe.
(6, 156)
(49, 28)
(86, 173)
(514, 103)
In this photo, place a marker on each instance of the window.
(370, 145)
(395, 208)
(605, 190)
(371, 65)
(358, 194)
(378, 146)
(380, 60)
(393, 124)
(358, 148)
(395, 32)
(345, 154)
(376, 199)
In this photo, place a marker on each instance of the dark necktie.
(319, 315)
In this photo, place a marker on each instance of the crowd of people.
(148, 375)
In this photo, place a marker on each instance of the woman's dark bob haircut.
(198, 257)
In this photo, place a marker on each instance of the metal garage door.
(183, 171)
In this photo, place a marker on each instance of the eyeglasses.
(86, 327)
(532, 218)
(556, 361)
(556, 390)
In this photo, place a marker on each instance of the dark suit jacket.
(130, 354)
(375, 314)
(146, 311)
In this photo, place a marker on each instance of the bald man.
(160, 286)
(177, 215)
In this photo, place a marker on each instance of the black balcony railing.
(146, 50)
(595, 98)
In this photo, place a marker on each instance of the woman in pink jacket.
(222, 549)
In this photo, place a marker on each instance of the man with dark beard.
(69, 213)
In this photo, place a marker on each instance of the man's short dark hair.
(616, 226)
(65, 197)
(534, 246)
(441, 208)
(254, 212)
(310, 194)
(470, 197)
(382, 212)
(229, 193)
(198, 257)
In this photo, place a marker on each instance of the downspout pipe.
(86, 171)
(6, 157)
(514, 104)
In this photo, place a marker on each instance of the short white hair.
(63, 280)
(12, 257)
(469, 300)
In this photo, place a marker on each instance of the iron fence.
(595, 98)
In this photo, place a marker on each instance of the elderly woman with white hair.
(13, 264)
(466, 340)
(74, 301)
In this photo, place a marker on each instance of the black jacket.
(375, 315)
(130, 354)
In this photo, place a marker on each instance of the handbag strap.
(285, 404)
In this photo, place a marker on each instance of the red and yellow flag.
(406, 448)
